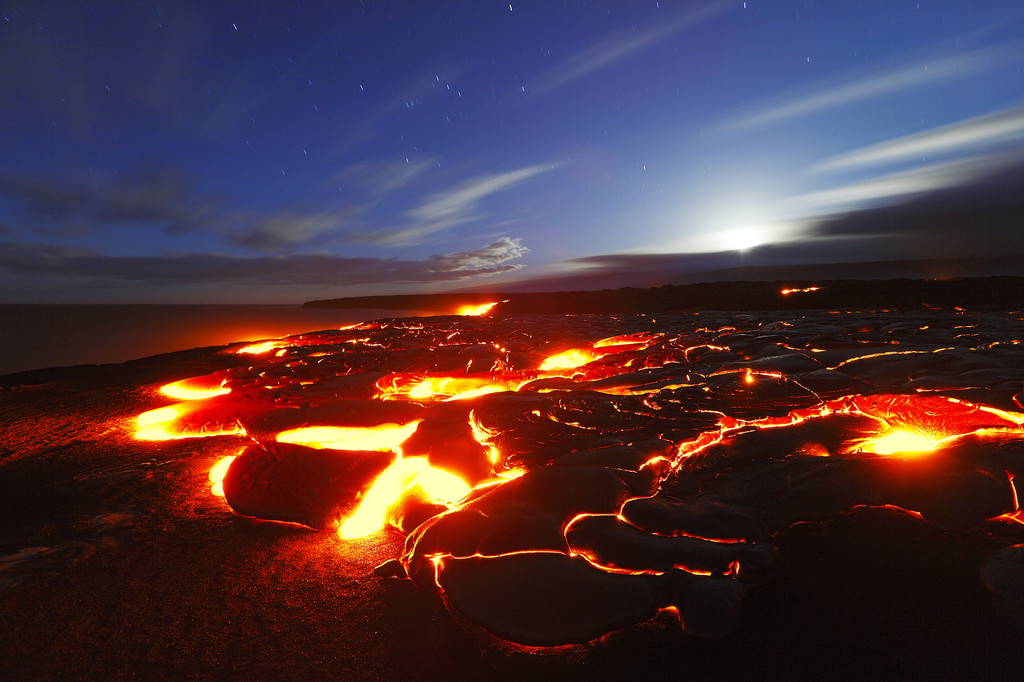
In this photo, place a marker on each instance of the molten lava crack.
(551, 499)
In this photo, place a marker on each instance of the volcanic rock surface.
(776, 494)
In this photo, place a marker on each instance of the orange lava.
(217, 473)
(555, 414)
(166, 423)
(259, 348)
(412, 473)
(477, 310)
(901, 441)
(195, 389)
(381, 437)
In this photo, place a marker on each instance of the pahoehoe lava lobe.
(617, 478)
(548, 599)
(560, 479)
(301, 485)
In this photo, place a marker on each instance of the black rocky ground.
(115, 560)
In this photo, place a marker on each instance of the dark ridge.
(846, 294)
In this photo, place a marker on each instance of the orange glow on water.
(398, 479)
(380, 437)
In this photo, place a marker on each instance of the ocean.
(38, 336)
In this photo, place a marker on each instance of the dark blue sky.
(284, 151)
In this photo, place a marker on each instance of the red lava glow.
(570, 359)
(381, 437)
(477, 310)
(786, 292)
(194, 389)
(445, 387)
(578, 357)
(217, 473)
(404, 475)
(633, 467)
(258, 348)
(164, 424)
(901, 441)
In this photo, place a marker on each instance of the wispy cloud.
(304, 269)
(289, 229)
(428, 85)
(619, 46)
(159, 196)
(161, 200)
(980, 217)
(999, 128)
(377, 179)
(897, 186)
(883, 80)
(456, 206)
(489, 260)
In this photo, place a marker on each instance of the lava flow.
(654, 468)
(477, 310)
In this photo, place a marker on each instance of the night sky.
(286, 151)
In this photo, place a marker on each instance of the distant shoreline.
(41, 336)
(842, 293)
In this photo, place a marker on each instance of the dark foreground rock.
(117, 561)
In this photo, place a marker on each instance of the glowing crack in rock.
(654, 469)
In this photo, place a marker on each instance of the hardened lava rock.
(622, 468)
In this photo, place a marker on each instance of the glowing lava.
(454, 388)
(258, 348)
(217, 473)
(194, 389)
(381, 437)
(901, 441)
(448, 386)
(160, 424)
(580, 468)
(477, 310)
(577, 357)
(570, 359)
(405, 475)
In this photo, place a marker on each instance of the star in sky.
(223, 152)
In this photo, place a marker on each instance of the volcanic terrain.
(781, 494)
